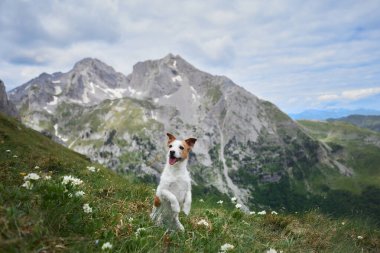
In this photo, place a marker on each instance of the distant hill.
(371, 122)
(330, 114)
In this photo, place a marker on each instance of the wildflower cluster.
(87, 208)
(92, 169)
(71, 180)
(32, 176)
(226, 247)
(106, 246)
(139, 231)
(203, 222)
(28, 184)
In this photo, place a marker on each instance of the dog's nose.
(172, 152)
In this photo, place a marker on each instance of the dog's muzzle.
(172, 158)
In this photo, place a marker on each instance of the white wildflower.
(139, 230)
(28, 185)
(47, 177)
(220, 202)
(79, 193)
(252, 212)
(15, 156)
(87, 208)
(32, 176)
(91, 168)
(360, 237)
(233, 200)
(70, 179)
(343, 223)
(238, 206)
(106, 246)
(201, 200)
(271, 251)
(130, 219)
(203, 222)
(8, 150)
(274, 213)
(37, 167)
(263, 212)
(226, 247)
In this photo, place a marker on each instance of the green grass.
(47, 219)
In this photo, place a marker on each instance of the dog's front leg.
(172, 199)
(187, 203)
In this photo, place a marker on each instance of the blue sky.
(296, 54)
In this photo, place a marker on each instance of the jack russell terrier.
(174, 191)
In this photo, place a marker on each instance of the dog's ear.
(191, 142)
(171, 137)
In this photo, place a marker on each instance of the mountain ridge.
(243, 143)
(371, 122)
(320, 114)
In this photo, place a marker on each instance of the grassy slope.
(46, 219)
(349, 143)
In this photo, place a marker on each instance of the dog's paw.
(180, 227)
(186, 210)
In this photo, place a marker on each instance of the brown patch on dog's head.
(171, 138)
(188, 144)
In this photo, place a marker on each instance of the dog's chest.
(177, 185)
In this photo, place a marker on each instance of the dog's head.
(179, 150)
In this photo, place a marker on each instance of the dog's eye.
(170, 146)
(181, 147)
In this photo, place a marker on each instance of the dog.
(173, 193)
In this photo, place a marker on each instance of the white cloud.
(280, 50)
(360, 93)
(328, 97)
(351, 94)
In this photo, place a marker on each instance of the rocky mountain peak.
(92, 65)
(6, 106)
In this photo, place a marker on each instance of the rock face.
(121, 121)
(6, 106)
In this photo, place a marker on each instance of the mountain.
(6, 106)
(50, 216)
(246, 146)
(333, 113)
(365, 121)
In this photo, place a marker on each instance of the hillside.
(49, 217)
(356, 149)
(365, 121)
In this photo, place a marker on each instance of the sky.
(297, 54)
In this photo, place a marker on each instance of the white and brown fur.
(173, 194)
